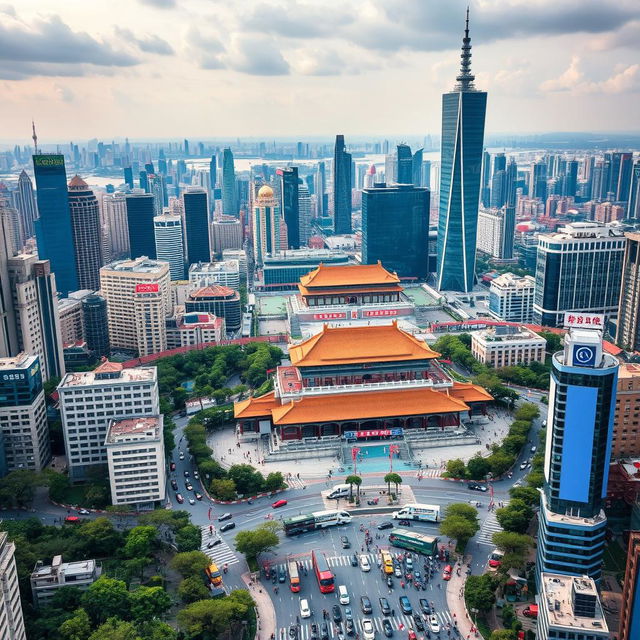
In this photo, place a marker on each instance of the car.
(315, 634)
(397, 571)
(417, 622)
(528, 465)
(174, 485)
(354, 560)
(282, 573)
(425, 606)
(365, 604)
(305, 610)
(365, 565)
(517, 483)
(405, 523)
(348, 614)
(483, 488)
(345, 542)
(534, 449)
(83, 512)
(384, 606)
(228, 526)
(523, 466)
(390, 582)
(411, 635)
(417, 576)
(192, 501)
(368, 630)
(446, 572)
(405, 605)
(472, 486)
(188, 486)
(181, 456)
(293, 632)
(224, 516)
(179, 498)
(186, 474)
(386, 524)
(213, 543)
(408, 563)
(434, 625)
(278, 503)
(172, 466)
(198, 495)
(324, 631)
(349, 627)
(72, 519)
(387, 629)
(196, 475)
(337, 613)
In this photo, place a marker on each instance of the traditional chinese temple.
(367, 381)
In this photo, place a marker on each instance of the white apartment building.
(507, 346)
(169, 243)
(23, 414)
(496, 228)
(47, 579)
(138, 299)
(196, 327)
(225, 273)
(71, 318)
(135, 455)
(11, 620)
(241, 256)
(511, 298)
(90, 400)
(227, 234)
(114, 215)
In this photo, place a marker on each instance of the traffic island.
(373, 499)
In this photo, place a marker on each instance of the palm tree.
(395, 478)
(389, 478)
(351, 480)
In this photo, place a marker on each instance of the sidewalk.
(455, 601)
(265, 612)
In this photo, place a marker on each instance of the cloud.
(568, 80)
(318, 62)
(256, 55)
(207, 49)
(160, 4)
(627, 36)
(25, 70)
(148, 43)
(64, 93)
(8, 10)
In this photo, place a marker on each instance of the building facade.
(140, 215)
(114, 214)
(229, 195)
(47, 579)
(283, 271)
(26, 204)
(341, 188)
(11, 620)
(626, 420)
(266, 225)
(196, 221)
(628, 329)
(496, 230)
(219, 301)
(186, 329)
(289, 204)
(169, 247)
(225, 273)
(96, 325)
(511, 298)
(630, 611)
(227, 234)
(507, 346)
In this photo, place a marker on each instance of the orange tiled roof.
(348, 275)
(366, 406)
(108, 367)
(351, 345)
(468, 392)
(316, 291)
(255, 407)
(212, 291)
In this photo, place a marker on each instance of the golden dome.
(265, 191)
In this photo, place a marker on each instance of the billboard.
(583, 320)
(147, 288)
(584, 355)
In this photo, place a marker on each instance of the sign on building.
(583, 320)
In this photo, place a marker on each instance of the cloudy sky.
(223, 68)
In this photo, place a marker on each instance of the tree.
(259, 540)
(511, 542)
(77, 627)
(389, 479)
(148, 603)
(500, 461)
(58, 484)
(395, 478)
(458, 528)
(156, 630)
(248, 480)
(527, 411)
(515, 516)
(213, 469)
(139, 541)
(503, 634)
(223, 489)
(105, 598)
(528, 495)
(101, 538)
(456, 468)
(66, 598)
(188, 538)
(190, 563)
(134, 568)
(209, 619)
(480, 591)
(115, 629)
(351, 480)
(96, 496)
(274, 481)
(463, 510)
(478, 467)
(192, 589)
(535, 479)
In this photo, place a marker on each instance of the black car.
(224, 516)
(228, 526)
(337, 614)
(324, 631)
(405, 605)
(390, 582)
(354, 560)
(282, 572)
(424, 605)
(405, 523)
(186, 474)
(293, 632)
(315, 635)
(345, 542)
(474, 486)
(387, 628)
(417, 622)
(348, 614)
(349, 627)
(365, 604)
(387, 524)
(384, 606)
(213, 543)
(174, 485)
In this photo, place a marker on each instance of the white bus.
(424, 512)
(317, 520)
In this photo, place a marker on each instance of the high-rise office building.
(229, 195)
(633, 207)
(54, 232)
(463, 115)
(305, 208)
(227, 234)
(140, 215)
(498, 189)
(196, 220)
(511, 298)
(321, 193)
(571, 178)
(395, 228)
(341, 188)
(582, 398)
(8, 331)
(158, 189)
(538, 180)
(578, 268)
(496, 229)
(511, 179)
(266, 224)
(630, 610)
(416, 170)
(370, 177)
(87, 235)
(96, 325)
(11, 620)
(128, 177)
(138, 298)
(290, 207)
(628, 331)
(213, 180)
(404, 171)
(114, 214)
(26, 204)
(169, 247)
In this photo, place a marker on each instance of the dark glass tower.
(289, 204)
(140, 214)
(404, 172)
(96, 325)
(196, 218)
(395, 229)
(463, 114)
(26, 204)
(53, 226)
(633, 208)
(229, 196)
(416, 170)
(128, 177)
(341, 188)
(213, 178)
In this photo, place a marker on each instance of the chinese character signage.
(147, 288)
(584, 320)
(380, 312)
(329, 316)
(373, 433)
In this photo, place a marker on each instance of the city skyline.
(211, 67)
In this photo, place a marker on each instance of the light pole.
(393, 449)
(475, 619)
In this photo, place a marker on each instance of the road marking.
(488, 528)
(221, 553)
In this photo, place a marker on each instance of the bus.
(387, 561)
(323, 573)
(213, 575)
(317, 520)
(419, 542)
(294, 576)
(422, 512)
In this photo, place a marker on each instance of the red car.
(172, 466)
(72, 519)
(446, 574)
(179, 498)
(411, 634)
(278, 503)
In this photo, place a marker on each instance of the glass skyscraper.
(463, 115)
(140, 214)
(229, 195)
(53, 226)
(341, 188)
(196, 218)
(290, 207)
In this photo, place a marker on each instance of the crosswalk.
(295, 483)
(333, 561)
(222, 553)
(429, 473)
(399, 622)
(488, 528)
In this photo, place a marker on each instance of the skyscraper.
(416, 170)
(266, 224)
(128, 177)
(341, 188)
(26, 204)
(114, 211)
(633, 208)
(213, 181)
(229, 196)
(321, 189)
(463, 115)
(53, 227)
(140, 214)
(87, 236)
(498, 189)
(628, 334)
(169, 247)
(306, 213)
(395, 226)
(196, 219)
(289, 204)
(404, 172)
(96, 325)
(510, 183)
(8, 331)
(11, 619)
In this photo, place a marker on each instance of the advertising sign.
(329, 316)
(584, 355)
(376, 313)
(584, 320)
(147, 288)
(372, 433)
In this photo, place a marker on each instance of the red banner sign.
(589, 320)
(329, 316)
(380, 312)
(147, 288)
(373, 432)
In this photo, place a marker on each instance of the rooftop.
(124, 376)
(143, 264)
(584, 230)
(199, 268)
(134, 429)
(78, 568)
(507, 333)
(629, 370)
(512, 280)
(351, 345)
(21, 361)
(348, 275)
(213, 291)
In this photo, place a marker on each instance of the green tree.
(58, 484)
(213, 469)
(500, 461)
(134, 568)
(458, 528)
(503, 634)
(274, 481)
(480, 592)
(515, 517)
(351, 480)
(148, 603)
(478, 468)
(456, 468)
(156, 630)
(223, 489)
(528, 495)
(101, 538)
(248, 480)
(511, 542)
(106, 598)
(96, 496)
(209, 619)
(192, 589)
(251, 543)
(535, 479)
(462, 509)
(140, 541)
(78, 627)
(190, 563)
(188, 538)
(527, 411)
(67, 598)
(115, 629)
(180, 396)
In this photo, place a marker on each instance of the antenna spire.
(464, 80)
(34, 136)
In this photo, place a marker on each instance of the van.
(305, 611)
(343, 594)
(339, 491)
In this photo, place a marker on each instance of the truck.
(317, 520)
(339, 491)
(415, 511)
(531, 611)
(294, 576)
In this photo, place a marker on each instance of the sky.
(289, 68)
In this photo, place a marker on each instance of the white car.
(523, 466)
(305, 611)
(397, 571)
(192, 501)
(368, 629)
(365, 565)
(181, 456)
(434, 625)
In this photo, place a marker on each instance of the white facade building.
(507, 346)
(169, 243)
(206, 274)
(241, 256)
(47, 579)
(197, 327)
(135, 455)
(305, 213)
(91, 399)
(511, 298)
(496, 228)
(114, 214)
(11, 620)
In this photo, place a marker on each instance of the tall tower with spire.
(463, 115)
(34, 137)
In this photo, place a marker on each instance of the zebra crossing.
(429, 473)
(399, 622)
(295, 482)
(488, 528)
(334, 561)
(222, 553)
